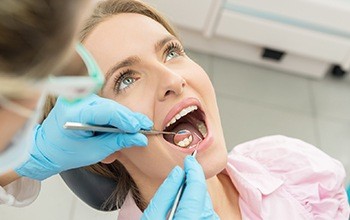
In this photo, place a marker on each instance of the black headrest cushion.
(92, 188)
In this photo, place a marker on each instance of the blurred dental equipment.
(74, 88)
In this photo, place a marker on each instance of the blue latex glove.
(195, 202)
(56, 149)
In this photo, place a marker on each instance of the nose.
(170, 84)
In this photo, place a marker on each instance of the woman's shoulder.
(309, 175)
(283, 154)
(276, 142)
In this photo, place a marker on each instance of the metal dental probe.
(179, 193)
(98, 128)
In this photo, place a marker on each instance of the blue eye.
(171, 55)
(173, 50)
(125, 80)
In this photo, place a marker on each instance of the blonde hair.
(35, 37)
(109, 8)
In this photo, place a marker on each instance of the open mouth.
(189, 126)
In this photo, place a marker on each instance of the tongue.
(197, 136)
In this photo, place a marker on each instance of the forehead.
(127, 34)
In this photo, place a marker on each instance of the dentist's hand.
(56, 149)
(195, 202)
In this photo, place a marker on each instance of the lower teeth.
(202, 129)
(183, 138)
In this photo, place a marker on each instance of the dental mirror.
(183, 138)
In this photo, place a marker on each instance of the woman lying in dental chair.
(147, 70)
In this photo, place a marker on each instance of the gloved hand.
(56, 149)
(195, 202)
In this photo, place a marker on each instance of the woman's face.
(147, 70)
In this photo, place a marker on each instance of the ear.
(110, 159)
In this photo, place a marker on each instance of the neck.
(147, 191)
(224, 197)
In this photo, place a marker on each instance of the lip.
(178, 107)
(206, 142)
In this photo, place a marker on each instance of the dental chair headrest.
(92, 188)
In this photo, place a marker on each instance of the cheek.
(215, 163)
(214, 158)
(197, 78)
(155, 161)
(200, 82)
(136, 99)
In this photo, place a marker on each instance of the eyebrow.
(160, 44)
(132, 60)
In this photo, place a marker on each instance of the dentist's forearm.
(8, 178)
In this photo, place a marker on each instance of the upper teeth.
(183, 112)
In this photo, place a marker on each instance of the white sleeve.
(20, 193)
